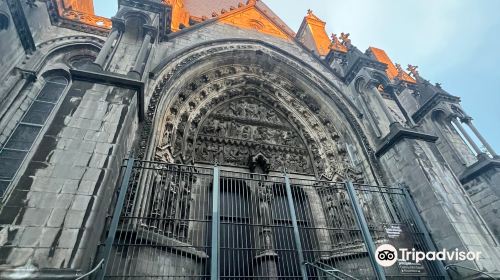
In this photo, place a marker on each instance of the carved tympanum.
(240, 129)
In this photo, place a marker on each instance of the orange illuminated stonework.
(250, 17)
(317, 28)
(180, 16)
(84, 6)
(82, 11)
(392, 71)
(313, 34)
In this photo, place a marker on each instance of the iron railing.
(191, 222)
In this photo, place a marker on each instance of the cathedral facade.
(189, 139)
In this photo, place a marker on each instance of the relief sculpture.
(246, 127)
(229, 120)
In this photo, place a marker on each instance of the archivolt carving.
(181, 63)
(262, 113)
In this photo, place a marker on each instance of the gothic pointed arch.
(192, 93)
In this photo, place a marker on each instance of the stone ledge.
(31, 272)
(477, 169)
(95, 75)
(431, 103)
(399, 133)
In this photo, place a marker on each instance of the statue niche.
(245, 127)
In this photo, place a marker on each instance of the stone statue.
(344, 38)
(164, 154)
(413, 70)
(265, 195)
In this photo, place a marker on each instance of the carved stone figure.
(344, 38)
(163, 208)
(164, 154)
(413, 70)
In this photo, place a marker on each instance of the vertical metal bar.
(423, 229)
(116, 217)
(367, 237)
(214, 271)
(298, 244)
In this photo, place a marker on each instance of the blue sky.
(456, 43)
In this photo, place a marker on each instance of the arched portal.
(254, 112)
(306, 136)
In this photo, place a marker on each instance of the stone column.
(476, 149)
(118, 28)
(468, 121)
(145, 47)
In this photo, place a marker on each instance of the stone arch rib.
(174, 67)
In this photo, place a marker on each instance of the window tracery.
(22, 138)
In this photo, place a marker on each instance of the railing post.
(116, 217)
(367, 237)
(423, 229)
(214, 257)
(298, 243)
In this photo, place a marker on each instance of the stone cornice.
(399, 133)
(478, 168)
(21, 25)
(102, 77)
(431, 103)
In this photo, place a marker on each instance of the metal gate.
(189, 222)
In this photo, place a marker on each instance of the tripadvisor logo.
(387, 255)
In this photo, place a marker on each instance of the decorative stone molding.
(432, 103)
(479, 168)
(398, 133)
(173, 70)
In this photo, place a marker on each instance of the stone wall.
(440, 200)
(54, 216)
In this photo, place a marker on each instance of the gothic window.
(20, 141)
